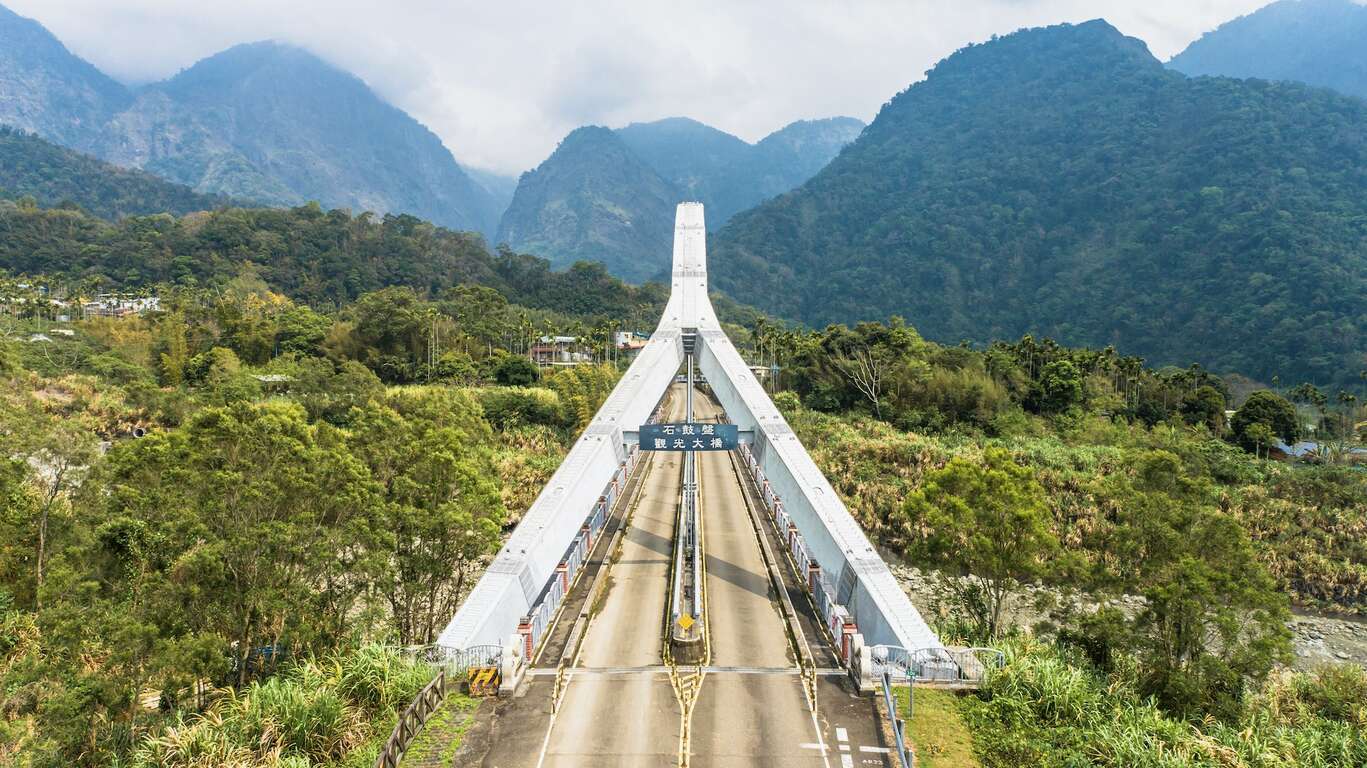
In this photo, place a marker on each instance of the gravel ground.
(1316, 638)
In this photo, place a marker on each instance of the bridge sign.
(689, 437)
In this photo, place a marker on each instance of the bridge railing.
(943, 665)
(411, 721)
(837, 618)
(533, 627)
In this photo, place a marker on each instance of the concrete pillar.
(792, 534)
(563, 571)
(861, 670)
(847, 633)
(813, 575)
(587, 531)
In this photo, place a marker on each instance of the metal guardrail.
(411, 721)
(904, 756)
(937, 665)
(458, 662)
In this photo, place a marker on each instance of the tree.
(1059, 387)
(869, 355)
(514, 371)
(989, 525)
(1213, 617)
(1205, 405)
(271, 526)
(428, 450)
(1269, 409)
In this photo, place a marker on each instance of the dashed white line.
(842, 735)
(875, 750)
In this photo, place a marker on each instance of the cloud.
(502, 82)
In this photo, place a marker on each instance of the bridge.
(688, 607)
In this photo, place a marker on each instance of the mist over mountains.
(1318, 42)
(265, 122)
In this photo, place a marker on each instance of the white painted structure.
(884, 614)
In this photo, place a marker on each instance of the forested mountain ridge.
(728, 174)
(612, 199)
(53, 175)
(1061, 182)
(265, 122)
(594, 199)
(1319, 42)
(45, 89)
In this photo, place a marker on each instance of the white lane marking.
(844, 747)
(846, 761)
(821, 747)
(821, 741)
(875, 750)
(842, 735)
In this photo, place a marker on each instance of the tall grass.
(1047, 708)
(322, 712)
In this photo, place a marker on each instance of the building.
(110, 305)
(559, 350)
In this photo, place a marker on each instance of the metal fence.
(539, 618)
(411, 721)
(966, 665)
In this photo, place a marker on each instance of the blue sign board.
(689, 437)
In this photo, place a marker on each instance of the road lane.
(630, 719)
(744, 719)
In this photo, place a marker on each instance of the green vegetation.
(1171, 549)
(1060, 182)
(609, 196)
(309, 484)
(442, 734)
(1049, 708)
(324, 258)
(53, 176)
(936, 729)
(331, 712)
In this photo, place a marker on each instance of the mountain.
(45, 89)
(1061, 181)
(53, 175)
(728, 174)
(593, 199)
(1319, 42)
(499, 187)
(265, 121)
(630, 228)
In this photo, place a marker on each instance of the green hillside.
(1061, 182)
(594, 199)
(609, 196)
(53, 175)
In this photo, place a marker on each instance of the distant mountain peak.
(1318, 42)
(1059, 181)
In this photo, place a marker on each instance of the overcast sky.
(502, 81)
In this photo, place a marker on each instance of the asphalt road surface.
(750, 708)
(614, 712)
